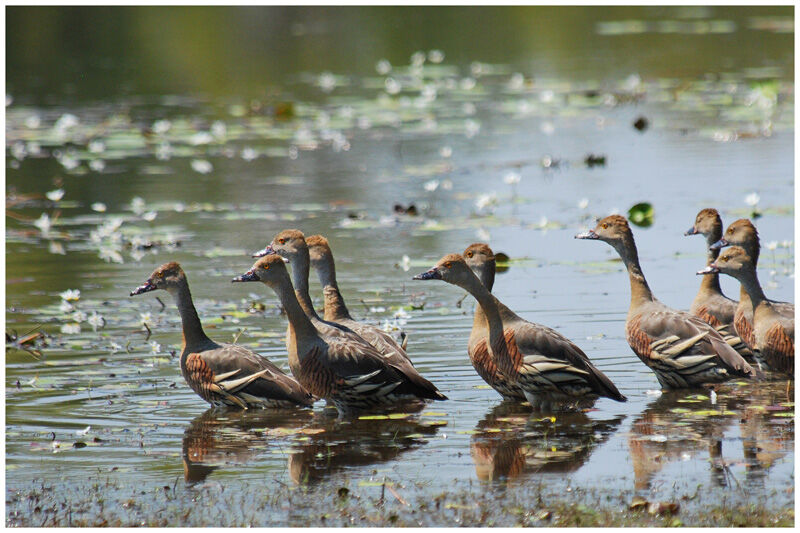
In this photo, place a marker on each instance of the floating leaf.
(641, 214)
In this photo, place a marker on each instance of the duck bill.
(247, 276)
(267, 250)
(587, 235)
(143, 288)
(710, 269)
(719, 244)
(430, 274)
(691, 231)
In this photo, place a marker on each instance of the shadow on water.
(334, 444)
(682, 426)
(220, 437)
(508, 442)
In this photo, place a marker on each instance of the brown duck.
(551, 371)
(222, 374)
(480, 258)
(773, 332)
(743, 233)
(291, 244)
(680, 348)
(710, 304)
(335, 363)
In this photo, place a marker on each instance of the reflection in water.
(508, 441)
(334, 444)
(226, 436)
(678, 426)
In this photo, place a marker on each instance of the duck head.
(707, 222)
(734, 262)
(269, 269)
(168, 276)
(451, 268)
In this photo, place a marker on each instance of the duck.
(335, 363)
(711, 304)
(481, 259)
(222, 374)
(681, 349)
(292, 246)
(773, 332)
(553, 373)
(335, 310)
(743, 233)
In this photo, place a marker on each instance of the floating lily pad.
(641, 214)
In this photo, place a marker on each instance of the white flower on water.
(771, 245)
(445, 152)
(752, 199)
(145, 318)
(155, 347)
(202, 166)
(486, 200)
(70, 329)
(114, 347)
(512, 178)
(326, 82)
(447, 185)
(417, 58)
(543, 221)
(56, 248)
(467, 84)
(82, 432)
(786, 244)
(161, 127)
(71, 295)
(33, 122)
(435, 56)
(65, 122)
(55, 195)
(110, 255)
(472, 127)
(66, 307)
(431, 185)
(377, 309)
(249, 154)
(163, 151)
(405, 263)
(483, 234)
(201, 137)
(392, 85)
(137, 205)
(149, 216)
(401, 316)
(218, 129)
(43, 223)
(96, 321)
(98, 165)
(516, 82)
(583, 203)
(96, 146)
(79, 316)
(383, 67)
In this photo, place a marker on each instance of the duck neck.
(485, 273)
(193, 335)
(490, 317)
(710, 282)
(300, 268)
(335, 308)
(640, 291)
(302, 328)
(752, 288)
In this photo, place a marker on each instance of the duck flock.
(357, 366)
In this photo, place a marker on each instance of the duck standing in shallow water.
(710, 304)
(222, 374)
(551, 371)
(743, 233)
(680, 348)
(773, 332)
(336, 364)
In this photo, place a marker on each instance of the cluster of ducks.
(357, 366)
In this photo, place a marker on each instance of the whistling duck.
(336, 311)
(480, 258)
(337, 364)
(710, 304)
(680, 348)
(773, 332)
(551, 371)
(222, 374)
(743, 233)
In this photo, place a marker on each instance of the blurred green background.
(57, 53)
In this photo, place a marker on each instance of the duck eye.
(282, 241)
(605, 225)
(469, 254)
(448, 264)
(266, 267)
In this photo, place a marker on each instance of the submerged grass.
(105, 502)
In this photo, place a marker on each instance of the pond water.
(514, 152)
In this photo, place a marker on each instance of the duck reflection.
(227, 436)
(681, 425)
(330, 445)
(508, 441)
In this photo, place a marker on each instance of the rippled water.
(111, 402)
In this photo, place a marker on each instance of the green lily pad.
(641, 215)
